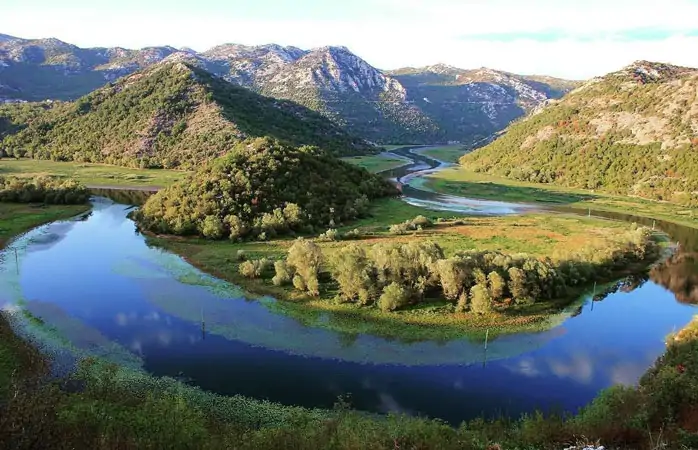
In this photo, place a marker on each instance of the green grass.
(448, 153)
(458, 181)
(377, 163)
(91, 174)
(16, 218)
(536, 234)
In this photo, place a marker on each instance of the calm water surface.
(100, 290)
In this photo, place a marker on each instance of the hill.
(427, 105)
(260, 189)
(632, 132)
(170, 115)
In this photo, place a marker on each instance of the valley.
(272, 247)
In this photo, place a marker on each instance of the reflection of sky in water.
(101, 287)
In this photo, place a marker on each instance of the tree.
(354, 274)
(497, 285)
(517, 284)
(480, 299)
(394, 296)
(282, 274)
(452, 276)
(305, 259)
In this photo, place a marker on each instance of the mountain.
(631, 132)
(427, 105)
(476, 103)
(172, 114)
(260, 189)
(39, 69)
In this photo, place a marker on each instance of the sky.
(575, 39)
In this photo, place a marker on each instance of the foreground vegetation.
(90, 174)
(104, 406)
(428, 277)
(459, 181)
(116, 408)
(262, 189)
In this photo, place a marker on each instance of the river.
(99, 289)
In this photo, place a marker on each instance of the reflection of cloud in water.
(580, 368)
(389, 404)
(75, 335)
(527, 366)
(254, 324)
(49, 236)
(165, 338)
(627, 373)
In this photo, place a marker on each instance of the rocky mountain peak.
(652, 72)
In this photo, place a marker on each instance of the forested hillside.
(632, 132)
(260, 189)
(170, 115)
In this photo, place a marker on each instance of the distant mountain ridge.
(631, 132)
(428, 105)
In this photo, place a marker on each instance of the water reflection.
(103, 291)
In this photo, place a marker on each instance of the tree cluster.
(47, 190)
(262, 189)
(395, 275)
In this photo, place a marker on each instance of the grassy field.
(377, 163)
(16, 218)
(458, 181)
(447, 153)
(91, 174)
(535, 234)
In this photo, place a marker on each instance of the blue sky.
(567, 38)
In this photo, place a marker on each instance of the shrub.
(282, 273)
(47, 190)
(353, 272)
(480, 300)
(330, 235)
(305, 259)
(241, 255)
(394, 296)
(353, 234)
(253, 268)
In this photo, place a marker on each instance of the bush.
(330, 235)
(353, 234)
(394, 297)
(47, 190)
(353, 272)
(241, 255)
(480, 300)
(282, 273)
(305, 259)
(253, 268)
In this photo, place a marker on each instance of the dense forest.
(395, 275)
(48, 190)
(628, 133)
(261, 189)
(171, 115)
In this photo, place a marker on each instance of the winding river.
(92, 286)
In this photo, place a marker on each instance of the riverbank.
(460, 182)
(118, 408)
(538, 235)
(18, 358)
